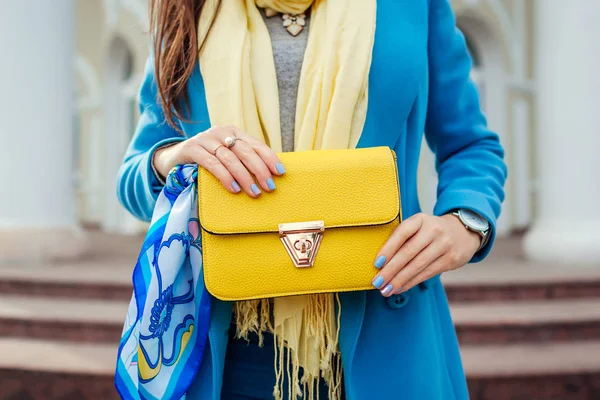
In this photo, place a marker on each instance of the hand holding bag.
(318, 232)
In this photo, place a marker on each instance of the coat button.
(397, 301)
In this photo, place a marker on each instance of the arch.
(501, 28)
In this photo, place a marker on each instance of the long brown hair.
(173, 31)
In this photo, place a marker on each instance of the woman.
(307, 74)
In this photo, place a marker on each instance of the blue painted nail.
(255, 189)
(377, 282)
(379, 261)
(271, 184)
(387, 290)
(280, 168)
(399, 290)
(236, 187)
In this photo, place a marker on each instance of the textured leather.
(355, 192)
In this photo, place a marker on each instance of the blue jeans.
(249, 371)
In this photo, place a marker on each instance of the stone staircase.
(527, 332)
(59, 331)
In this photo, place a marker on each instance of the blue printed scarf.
(167, 323)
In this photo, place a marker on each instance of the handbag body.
(318, 232)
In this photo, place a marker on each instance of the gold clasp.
(301, 240)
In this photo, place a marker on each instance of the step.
(499, 280)
(109, 280)
(53, 370)
(495, 279)
(64, 319)
(527, 321)
(502, 322)
(61, 370)
(543, 371)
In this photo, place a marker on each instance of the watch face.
(474, 220)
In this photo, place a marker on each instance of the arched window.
(119, 126)
(482, 48)
(118, 103)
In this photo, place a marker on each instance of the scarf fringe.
(321, 326)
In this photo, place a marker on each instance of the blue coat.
(404, 346)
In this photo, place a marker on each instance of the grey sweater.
(288, 52)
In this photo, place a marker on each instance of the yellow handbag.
(318, 232)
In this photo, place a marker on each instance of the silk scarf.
(166, 327)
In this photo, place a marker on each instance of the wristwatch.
(475, 223)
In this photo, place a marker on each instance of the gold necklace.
(293, 23)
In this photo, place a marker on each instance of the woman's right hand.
(234, 167)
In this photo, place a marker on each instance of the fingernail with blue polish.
(377, 282)
(271, 184)
(387, 290)
(379, 261)
(236, 187)
(399, 290)
(255, 189)
(280, 168)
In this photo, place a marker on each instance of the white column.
(37, 212)
(567, 224)
(521, 148)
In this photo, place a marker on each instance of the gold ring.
(214, 152)
(230, 141)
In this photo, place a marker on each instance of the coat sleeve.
(469, 157)
(138, 186)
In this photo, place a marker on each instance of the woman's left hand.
(421, 247)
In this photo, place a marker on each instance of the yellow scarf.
(241, 89)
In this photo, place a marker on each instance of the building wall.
(112, 48)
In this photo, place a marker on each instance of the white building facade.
(535, 64)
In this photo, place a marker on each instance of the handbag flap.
(343, 188)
